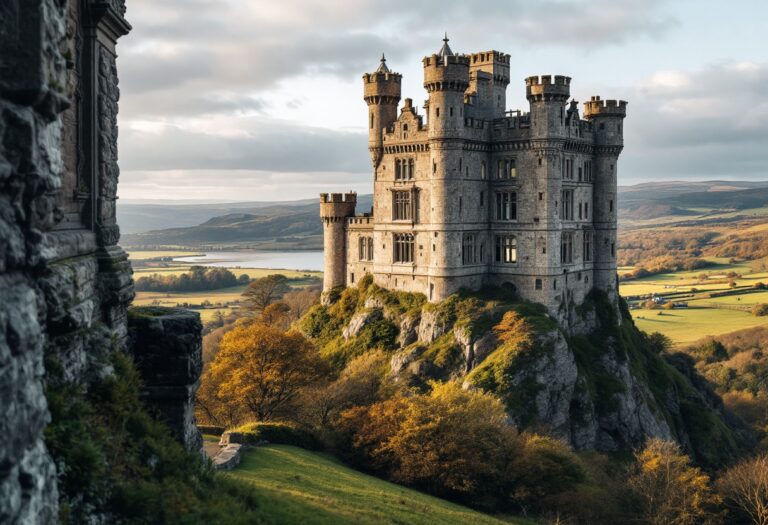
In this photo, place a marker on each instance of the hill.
(297, 486)
(293, 225)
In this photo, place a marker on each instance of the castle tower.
(547, 99)
(446, 78)
(334, 210)
(381, 91)
(607, 117)
(488, 81)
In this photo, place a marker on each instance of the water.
(257, 259)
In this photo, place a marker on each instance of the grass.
(224, 295)
(297, 486)
(685, 326)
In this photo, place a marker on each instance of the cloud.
(258, 144)
(709, 122)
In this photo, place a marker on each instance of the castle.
(478, 195)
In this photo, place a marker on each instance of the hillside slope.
(603, 386)
(297, 486)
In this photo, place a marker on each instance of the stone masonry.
(65, 284)
(478, 195)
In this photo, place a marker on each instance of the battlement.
(608, 108)
(489, 57)
(542, 88)
(382, 87)
(337, 205)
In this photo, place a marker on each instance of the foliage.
(449, 442)
(669, 489)
(278, 433)
(760, 310)
(199, 278)
(115, 461)
(264, 291)
(745, 488)
(258, 370)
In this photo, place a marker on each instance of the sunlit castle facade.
(470, 194)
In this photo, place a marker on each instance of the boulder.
(228, 457)
(409, 330)
(359, 321)
(431, 326)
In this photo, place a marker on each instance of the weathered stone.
(228, 457)
(431, 327)
(409, 330)
(166, 344)
(361, 320)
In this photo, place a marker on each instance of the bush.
(760, 310)
(276, 433)
(211, 430)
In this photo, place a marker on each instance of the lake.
(258, 259)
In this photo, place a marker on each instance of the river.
(258, 259)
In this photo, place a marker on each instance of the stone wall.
(65, 283)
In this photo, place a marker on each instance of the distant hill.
(286, 225)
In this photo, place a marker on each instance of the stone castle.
(478, 195)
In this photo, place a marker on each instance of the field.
(704, 315)
(685, 326)
(223, 300)
(297, 486)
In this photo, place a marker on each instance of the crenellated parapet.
(382, 87)
(605, 108)
(446, 73)
(334, 207)
(548, 88)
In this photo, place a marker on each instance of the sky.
(245, 100)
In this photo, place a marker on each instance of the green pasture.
(297, 486)
(686, 325)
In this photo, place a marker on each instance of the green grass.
(684, 326)
(297, 486)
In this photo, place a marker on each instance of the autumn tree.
(261, 368)
(450, 441)
(669, 489)
(745, 488)
(275, 315)
(264, 291)
(300, 301)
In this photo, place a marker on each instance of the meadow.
(294, 485)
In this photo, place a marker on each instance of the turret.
(488, 81)
(446, 78)
(334, 210)
(381, 91)
(547, 96)
(607, 118)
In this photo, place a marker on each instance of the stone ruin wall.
(65, 283)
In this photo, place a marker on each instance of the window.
(610, 205)
(403, 247)
(483, 172)
(580, 174)
(586, 210)
(581, 207)
(567, 205)
(506, 249)
(365, 248)
(613, 249)
(402, 209)
(437, 112)
(568, 169)
(469, 252)
(404, 169)
(587, 171)
(506, 169)
(566, 248)
(587, 246)
(482, 198)
(538, 284)
(352, 277)
(371, 120)
(506, 206)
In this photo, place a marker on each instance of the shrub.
(760, 310)
(211, 430)
(274, 432)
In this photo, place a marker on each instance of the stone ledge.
(228, 457)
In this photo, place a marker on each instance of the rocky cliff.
(607, 387)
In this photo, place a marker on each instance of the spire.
(383, 66)
(446, 49)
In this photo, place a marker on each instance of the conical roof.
(446, 49)
(383, 66)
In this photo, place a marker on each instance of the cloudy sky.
(242, 100)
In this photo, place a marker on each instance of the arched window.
(398, 174)
(506, 249)
(370, 248)
(410, 168)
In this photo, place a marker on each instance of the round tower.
(607, 118)
(446, 78)
(334, 210)
(381, 91)
(547, 96)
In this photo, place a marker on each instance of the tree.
(450, 441)
(745, 487)
(659, 342)
(669, 489)
(264, 291)
(262, 368)
(300, 301)
(275, 315)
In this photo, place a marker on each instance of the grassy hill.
(297, 486)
